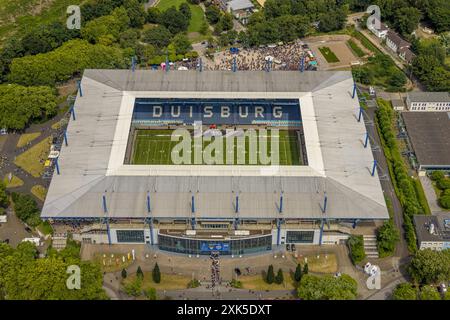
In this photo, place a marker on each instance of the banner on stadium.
(217, 111)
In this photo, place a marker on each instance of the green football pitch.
(155, 147)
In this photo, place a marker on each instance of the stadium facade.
(100, 197)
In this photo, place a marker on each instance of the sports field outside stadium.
(154, 147)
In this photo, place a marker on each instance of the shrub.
(124, 273)
(236, 284)
(150, 294)
(194, 283)
(356, 246)
(387, 238)
(134, 288)
(139, 273)
(444, 201)
(298, 273)
(404, 291)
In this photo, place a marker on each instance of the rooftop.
(429, 133)
(428, 96)
(397, 40)
(441, 224)
(240, 4)
(92, 165)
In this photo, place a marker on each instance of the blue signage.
(216, 111)
(214, 246)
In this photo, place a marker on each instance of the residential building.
(378, 28)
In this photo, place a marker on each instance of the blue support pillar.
(72, 111)
(302, 64)
(321, 233)
(105, 210)
(150, 220)
(65, 138)
(281, 203)
(167, 64)
(360, 114)
(366, 140)
(200, 65)
(237, 204)
(354, 223)
(325, 201)
(354, 91)
(193, 223)
(278, 231)
(193, 204)
(374, 167)
(236, 223)
(79, 88)
(57, 165)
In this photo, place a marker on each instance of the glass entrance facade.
(205, 246)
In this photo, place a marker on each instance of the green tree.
(429, 266)
(124, 273)
(185, 10)
(174, 20)
(437, 175)
(407, 19)
(159, 36)
(404, 291)
(305, 269)
(110, 25)
(156, 274)
(429, 293)
(327, 288)
(139, 273)
(212, 14)
(153, 15)
(270, 277)
(279, 278)
(181, 43)
(136, 13)
(298, 273)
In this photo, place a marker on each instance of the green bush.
(236, 284)
(405, 291)
(26, 209)
(194, 283)
(387, 238)
(356, 247)
(279, 279)
(150, 294)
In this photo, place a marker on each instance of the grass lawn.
(45, 227)
(257, 283)
(355, 48)
(39, 192)
(27, 137)
(168, 281)
(33, 159)
(155, 146)
(112, 263)
(321, 263)
(14, 183)
(328, 54)
(197, 14)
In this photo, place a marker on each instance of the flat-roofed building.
(428, 101)
(433, 232)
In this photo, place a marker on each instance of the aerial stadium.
(117, 180)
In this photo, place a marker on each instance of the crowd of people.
(284, 57)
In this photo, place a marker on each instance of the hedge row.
(405, 189)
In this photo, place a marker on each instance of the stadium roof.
(92, 164)
(429, 133)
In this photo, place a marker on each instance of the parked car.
(443, 288)
(27, 229)
(288, 247)
(293, 247)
